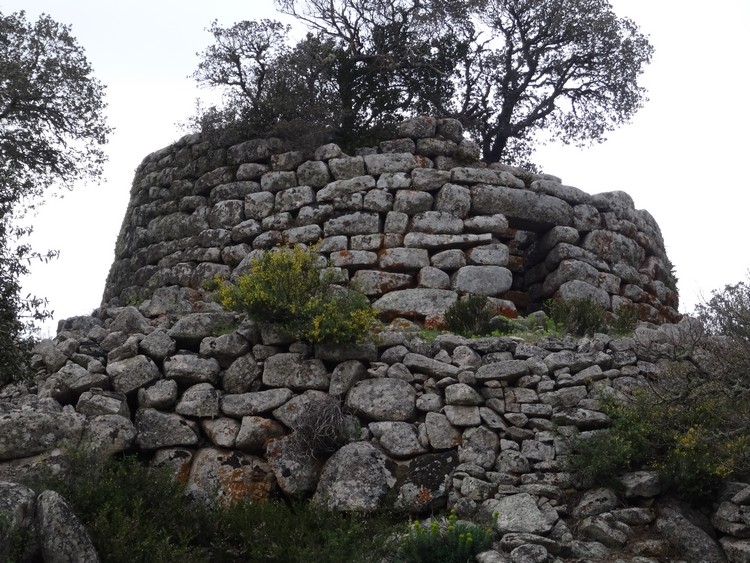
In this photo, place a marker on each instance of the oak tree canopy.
(52, 128)
(507, 69)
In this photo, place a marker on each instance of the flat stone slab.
(415, 303)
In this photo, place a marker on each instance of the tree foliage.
(507, 69)
(52, 127)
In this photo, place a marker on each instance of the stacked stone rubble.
(480, 425)
(416, 222)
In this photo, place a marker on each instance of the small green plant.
(212, 284)
(470, 316)
(625, 320)
(580, 317)
(453, 542)
(430, 334)
(288, 288)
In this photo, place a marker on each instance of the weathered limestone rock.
(241, 375)
(644, 484)
(133, 373)
(518, 513)
(479, 447)
(157, 345)
(229, 476)
(355, 479)
(108, 434)
(255, 432)
(297, 472)
(70, 381)
(62, 536)
(345, 375)
(160, 395)
(222, 432)
(524, 210)
(187, 369)
(254, 403)
(200, 400)
(692, 542)
(595, 502)
(440, 432)
(191, 329)
(290, 370)
(156, 430)
(25, 433)
(427, 483)
(17, 505)
(383, 399)
(482, 280)
(398, 439)
(415, 303)
(52, 358)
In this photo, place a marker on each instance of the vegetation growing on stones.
(447, 542)
(320, 429)
(507, 69)
(51, 129)
(138, 513)
(290, 289)
(692, 422)
(582, 317)
(471, 316)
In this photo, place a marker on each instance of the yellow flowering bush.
(290, 289)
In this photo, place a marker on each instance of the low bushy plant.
(136, 513)
(132, 512)
(289, 288)
(452, 542)
(579, 317)
(470, 316)
(687, 440)
(625, 320)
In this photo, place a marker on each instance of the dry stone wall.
(480, 425)
(417, 222)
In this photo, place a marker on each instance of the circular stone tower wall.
(417, 222)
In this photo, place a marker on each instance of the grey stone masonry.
(522, 237)
(479, 425)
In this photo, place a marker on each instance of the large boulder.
(415, 303)
(355, 479)
(229, 476)
(692, 542)
(24, 433)
(383, 399)
(62, 536)
(17, 505)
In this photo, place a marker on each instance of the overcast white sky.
(681, 158)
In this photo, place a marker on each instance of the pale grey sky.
(681, 157)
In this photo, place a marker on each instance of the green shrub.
(625, 320)
(470, 316)
(288, 288)
(580, 317)
(132, 512)
(299, 532)
(135, 513)
(686, 440)
(454, 542)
